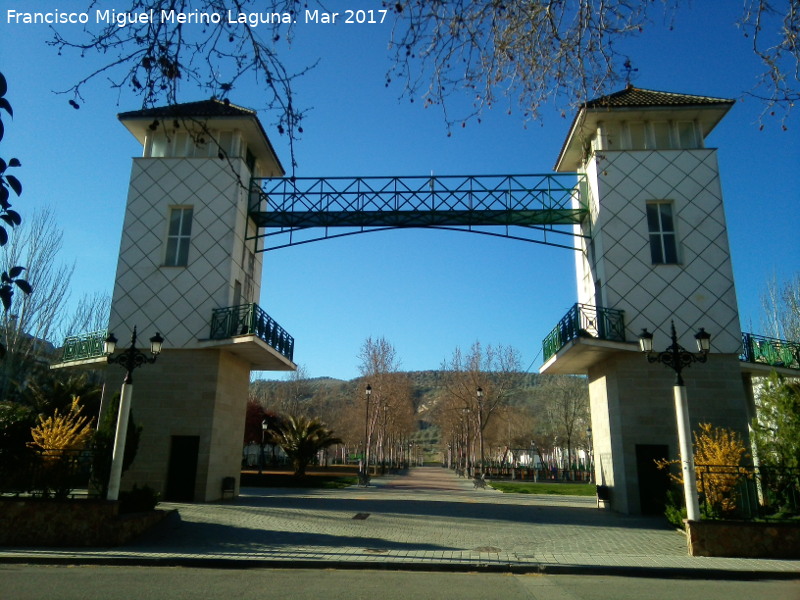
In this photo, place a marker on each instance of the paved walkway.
(429, 519)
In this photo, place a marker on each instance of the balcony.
(84, 347)
(757, 349)
(249, 320)
(585, 322)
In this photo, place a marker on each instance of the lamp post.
(677, 358)
(261, 461)
(129, 360)
(368, 394)
(590, 453)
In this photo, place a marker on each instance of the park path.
(426, 519)
(427, 479)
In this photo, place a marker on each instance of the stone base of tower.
(634, 423)
(191, 407)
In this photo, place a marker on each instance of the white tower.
(655, 250)
(189, 269)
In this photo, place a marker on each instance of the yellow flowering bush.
(59, 432)
(718, 455)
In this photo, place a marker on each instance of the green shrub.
(138, 499)
(674, 509)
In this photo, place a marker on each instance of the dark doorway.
(182, 472)
(653, 482)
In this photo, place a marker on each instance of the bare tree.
(389, 400)
(31, 323)
(565, 402)
(481, 383)
(534, 51)
(90, 314)
(774, 27)
(562, 50)
(395, 418)
(512, 431)
(296, 398)
(449, 417)
(209, 50)
(781, 304)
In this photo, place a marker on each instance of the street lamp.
(368, 393)
(590, 452)
(129, 360)
(264, 427)
(677, 358)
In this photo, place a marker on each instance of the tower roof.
(202, 108)
(139, 122)
(633, 97)
(633, 104)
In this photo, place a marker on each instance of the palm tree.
(301, 438)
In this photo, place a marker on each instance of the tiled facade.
(699, 290)
(191, 402)
(177, 301)
(639, 147)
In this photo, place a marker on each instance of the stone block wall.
(743, 539)
(33, 522)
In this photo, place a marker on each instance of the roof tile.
(202, 108)
(632, 97)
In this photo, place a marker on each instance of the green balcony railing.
(84, 346)
(586, 321)
(250, 319)
(770, 351)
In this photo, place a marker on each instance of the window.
(660, 224)
(638, 137)
(200, 146)
(178, 236)
(159, 146)
(180, 139)
(250, 161)
(687, 135)
(608, 135)
(661, 137)
(225, 143)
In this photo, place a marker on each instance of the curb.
(410, 566)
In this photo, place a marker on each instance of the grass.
(554, 489)
(290, 481)
(332, 478)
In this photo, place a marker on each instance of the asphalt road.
(38, 582)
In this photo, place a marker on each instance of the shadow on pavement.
(177, 535)
(482, 508)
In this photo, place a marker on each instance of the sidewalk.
(427, 520)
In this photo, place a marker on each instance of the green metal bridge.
(536, 208)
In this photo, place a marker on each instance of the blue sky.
(427, 292)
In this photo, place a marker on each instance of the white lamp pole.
(676, 357)
(129, 360)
